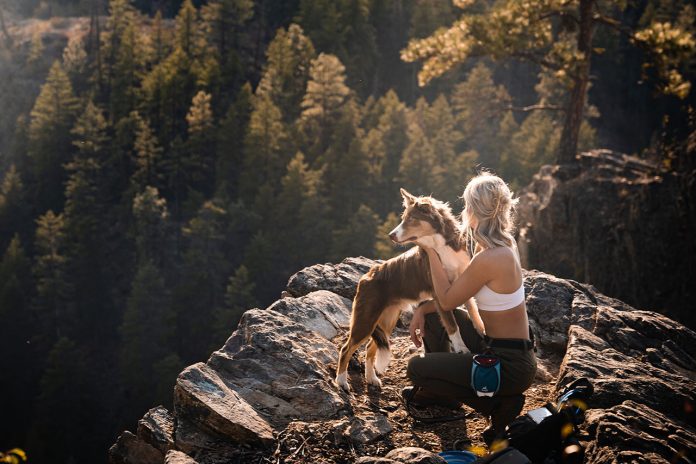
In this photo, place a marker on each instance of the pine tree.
(201, 288)
(50, 144)
(427, 17)
(322, 103)
(86, 224)
(301, 210)
(384, 247)
(360, 45)
(16, 331)
(266, 146)
(201, 146)
(386, 140)
(55, 311)
(146, 336)
(152, 229)
(557, 37)
(75, 61)
(417, 167)
(223, 26)
(36, 50)
(149, 162)
(124, 58)
(65, 416)
(259, 258)
(357, 237)
(13, 209)
(479, 107)
(346, 165)
(419, 161)
(343, 28)
(229, 153)
(289, 57)
(238, 298)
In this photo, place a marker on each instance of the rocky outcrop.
(268, 392)
(619, 222)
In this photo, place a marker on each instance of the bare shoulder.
(495, 256)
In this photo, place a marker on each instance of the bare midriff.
(510, 323)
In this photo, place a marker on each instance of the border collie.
(404, 280)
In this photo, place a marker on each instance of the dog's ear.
(408, 198)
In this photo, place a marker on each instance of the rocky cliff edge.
(267, 394)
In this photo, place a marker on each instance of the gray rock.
(190, 439)
(413, 455)
(129, 449)
(157, 428)
(203, 397)
(549, 301)
(619, 376)
(177, 457)
(323, 312)
(278, 367)
(337, 278)
(633, 432)
(282, 369)
(362, 430)
(618, 222)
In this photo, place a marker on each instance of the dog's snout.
(392, 236)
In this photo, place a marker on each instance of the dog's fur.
(404, 280)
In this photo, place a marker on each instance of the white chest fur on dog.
(454, 262)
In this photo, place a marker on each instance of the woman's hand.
(417, 326)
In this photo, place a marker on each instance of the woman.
(494, 279)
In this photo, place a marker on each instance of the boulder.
(157, 428)
(633, 432)
(618, 376)
(203, 397)
(341, 279)
(281, 368)
(129, 449)
(177, 457)
(323, 312)
(618, 222)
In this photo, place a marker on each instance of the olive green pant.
(449, 374)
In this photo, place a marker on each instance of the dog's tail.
(383, 349)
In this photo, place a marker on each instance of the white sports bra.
(488, 300)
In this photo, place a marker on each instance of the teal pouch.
(485, 374)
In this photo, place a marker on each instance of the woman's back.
(501, 300)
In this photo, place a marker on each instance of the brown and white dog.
(404, 280)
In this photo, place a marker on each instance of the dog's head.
(424, 220)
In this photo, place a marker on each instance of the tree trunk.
(576, 105)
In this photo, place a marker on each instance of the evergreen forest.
(166, 165)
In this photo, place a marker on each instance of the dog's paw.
(458, 345)
(342, 381)
(374, 380)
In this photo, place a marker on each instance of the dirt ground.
(304, 442)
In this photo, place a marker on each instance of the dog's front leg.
(452, 329)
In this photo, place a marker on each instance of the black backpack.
(553, 439)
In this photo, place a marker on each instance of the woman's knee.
(412, 368)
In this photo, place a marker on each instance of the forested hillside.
(166, 165)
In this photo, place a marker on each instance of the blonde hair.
(490, 200)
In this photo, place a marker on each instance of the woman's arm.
(464, 287)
